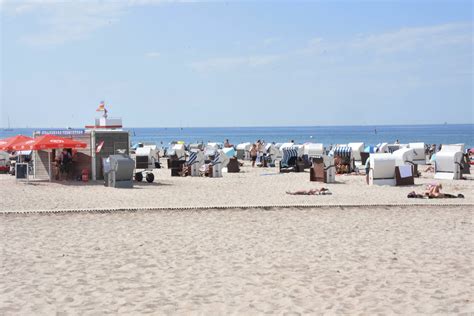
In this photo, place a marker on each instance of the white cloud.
(62, 21)
(314, 46)
(407, 39)
(153, 55)
(225, 63)
(412, 38)
(271, 40)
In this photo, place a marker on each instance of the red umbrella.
(49, 142)
(8, 143)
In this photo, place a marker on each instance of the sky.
(236, 63)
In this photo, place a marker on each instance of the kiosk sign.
(62, 132)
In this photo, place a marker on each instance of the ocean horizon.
(330, 134)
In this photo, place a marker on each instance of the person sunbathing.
(430, 169)
(433, 191)
(322, 191)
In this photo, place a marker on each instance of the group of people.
(257, 151)
(63, 163)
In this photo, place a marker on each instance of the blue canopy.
(230, 152)
(370, 149)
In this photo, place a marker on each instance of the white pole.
(94, 156)
(49, 163)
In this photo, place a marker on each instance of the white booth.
(215, 146)
(323, 169)
(382, 148)
(419, 151)
(219, 162)
(357, 148)
(272, 152)
(298, 148)
(382, 169)
(313, 149)
(243, 151)
(195, 162)
(448, 162)
(404, 156)
(179, 150)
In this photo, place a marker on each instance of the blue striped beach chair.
(195, 161)
(343, 151)
(216, 165)
(345, 155)
(289, 158)
(192, 158)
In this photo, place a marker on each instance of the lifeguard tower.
(105, 122)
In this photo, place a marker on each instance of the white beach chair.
(404, 156)
(357, 148)
(382, 169)
(217, 166)
(179, 151)
(382, 148)
(420, 154)
(313, 150)
(323, 169)
(243, 151)
(272, 152)
(195, 162)
(448, 163)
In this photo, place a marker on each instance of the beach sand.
(330, 260)
(251, 187)
(310, 256)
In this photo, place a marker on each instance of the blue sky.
(184, 64)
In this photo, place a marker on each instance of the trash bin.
(118, 171)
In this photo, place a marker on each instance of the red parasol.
(49, 142)
(8, 143)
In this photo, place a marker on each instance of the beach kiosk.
(103, 138)
(46, 147)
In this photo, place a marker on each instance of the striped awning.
(216, 159)
(343, 151)
(288, 153)
(192, 158)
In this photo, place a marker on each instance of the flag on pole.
(99, 147)
(101, 107)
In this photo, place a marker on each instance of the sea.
(370, 135)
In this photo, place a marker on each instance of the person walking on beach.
(253, 154)
(259, 151)
(367, 170)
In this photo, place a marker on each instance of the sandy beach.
(334, 261)
(352, 252)
(250, 187)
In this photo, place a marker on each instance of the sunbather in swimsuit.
(433, 192)
(322, 191)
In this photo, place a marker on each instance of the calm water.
(437, 134)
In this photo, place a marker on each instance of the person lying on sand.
(430, 169)
(433, 191)
(322, 191)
